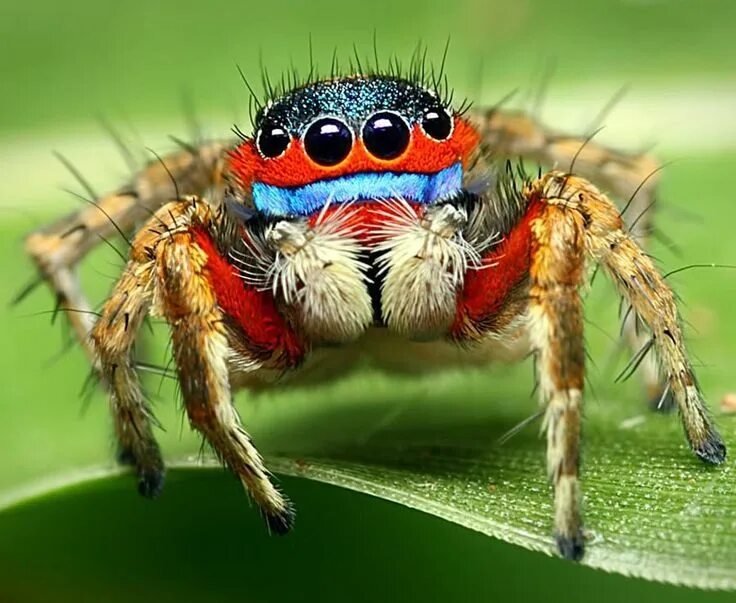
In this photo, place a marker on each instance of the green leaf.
(97, 540)
(652, 510)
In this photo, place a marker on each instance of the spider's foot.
(572, 547)
(280, 522)
(711, 450)
(151, 475)
(151, 482)
(661, 399)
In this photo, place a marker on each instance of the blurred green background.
(143, 67)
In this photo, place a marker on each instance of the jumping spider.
(367, 206)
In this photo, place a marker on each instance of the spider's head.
(352, 139)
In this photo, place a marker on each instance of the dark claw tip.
(712, 450)
(280, 523)
(151, 482)
(571, 549)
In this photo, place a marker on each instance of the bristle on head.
(420, 71)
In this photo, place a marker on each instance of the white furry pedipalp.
(423, 261)
(318, 271)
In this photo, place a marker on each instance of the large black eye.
(328, 141)
(386, 135)
(272, 140)
(437, 123)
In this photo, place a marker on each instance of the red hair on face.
(295, 168)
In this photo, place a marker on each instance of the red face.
(333, 140)
(294, 167)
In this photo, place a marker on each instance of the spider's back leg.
(112, 346)
(630, 178)
(56, 249)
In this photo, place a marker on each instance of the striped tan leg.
(112, 345)
(201, 352)
(113, 337)
(57, 248)
(632, 179)
(579, 222)
(556, 328)
(166, 273)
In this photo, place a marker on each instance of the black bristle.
(420, 72)
(26, 290)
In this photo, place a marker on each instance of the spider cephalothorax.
(352, 139)
(364, 183)
(366, 203)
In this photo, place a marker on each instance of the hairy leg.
(628, 177)
(112, 348)
(632, 179)
(201, 350)
(113, 338)
(578, 222)
(57, 248)
(607, 241)
(167, 273)
(556, 331)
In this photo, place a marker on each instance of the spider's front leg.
(576, 222)
(556, 272)
(175, 269)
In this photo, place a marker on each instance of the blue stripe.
(305, 200)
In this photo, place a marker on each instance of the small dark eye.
(386, 135)
(437, 123)
(328, 141)
(272, 140)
